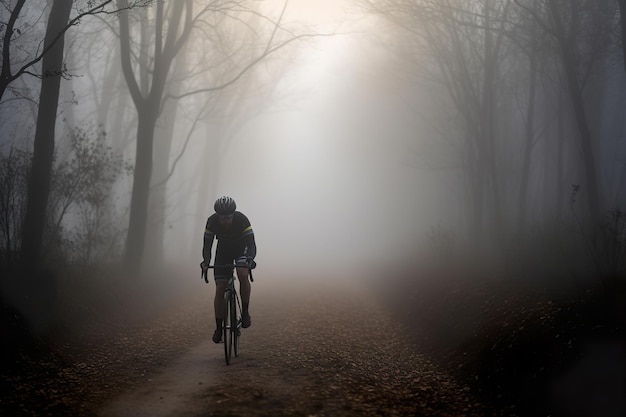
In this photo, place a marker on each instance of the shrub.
(14, 169)
(81, 220)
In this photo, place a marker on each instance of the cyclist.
(235, 245)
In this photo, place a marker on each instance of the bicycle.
(232, 317)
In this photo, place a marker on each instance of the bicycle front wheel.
(230, 323)
(237, 324)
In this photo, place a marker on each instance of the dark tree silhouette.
(43, 152)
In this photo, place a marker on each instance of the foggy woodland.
(491, 124)
(354, 135)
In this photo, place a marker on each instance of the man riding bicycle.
(235, 245)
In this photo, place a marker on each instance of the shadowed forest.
(467, 157)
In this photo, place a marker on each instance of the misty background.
(351, 133)
(465, 159)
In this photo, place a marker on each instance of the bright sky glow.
(320, 174)
(325, 179)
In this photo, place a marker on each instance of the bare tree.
(148, 74)
(579, 30)
(6, 77)
(467, 42)
(52, 71)
(622, 19)
(7, 74)
(529, 39)
(567, 47)
(147, 94)
(164, 138)
(43, 152)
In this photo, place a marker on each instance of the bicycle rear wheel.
(229, 323)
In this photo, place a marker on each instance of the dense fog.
(349, 133)
(452, 173)
(327, 176)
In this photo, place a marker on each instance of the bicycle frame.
(232, 315)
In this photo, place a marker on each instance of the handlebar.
(204, 275)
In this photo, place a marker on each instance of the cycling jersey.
(238, 229)
(235, 239)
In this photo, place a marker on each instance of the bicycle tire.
(228, 326)
(237, 327)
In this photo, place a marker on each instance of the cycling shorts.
(228, 253)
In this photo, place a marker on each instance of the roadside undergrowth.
(518, 346)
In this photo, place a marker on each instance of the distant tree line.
(92, 95)
(170, 55)
(534, 92)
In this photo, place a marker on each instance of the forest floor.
(480, 348)
(541, 350)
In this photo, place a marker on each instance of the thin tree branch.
(249, 66)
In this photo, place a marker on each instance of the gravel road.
(314, 349)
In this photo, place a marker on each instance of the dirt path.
(313, 350)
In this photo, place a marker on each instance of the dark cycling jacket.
(239, 231)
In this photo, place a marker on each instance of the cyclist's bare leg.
(218, 303)
(244, 286)
(244, 290)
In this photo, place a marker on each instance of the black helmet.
(225, 205)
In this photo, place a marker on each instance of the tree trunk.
(522, 203)
(622, 19)
(475, 190)
(43, 151)
(135, 241)
(157, 215)
(591, 189)
(5, 73)
(110, 86)
(164, 137)
(148, 97)
(561, 191)
(487, 146)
